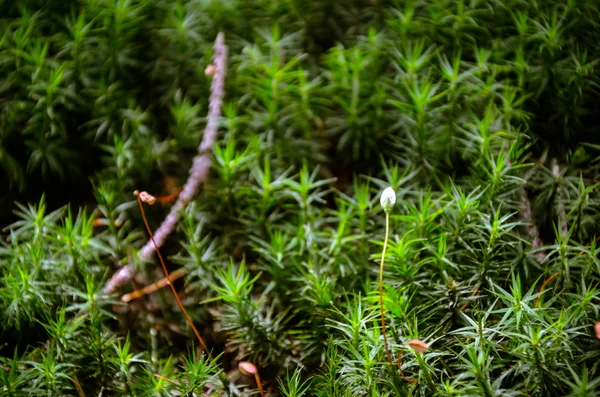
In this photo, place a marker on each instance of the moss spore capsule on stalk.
(388, 199)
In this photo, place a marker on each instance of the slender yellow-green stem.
(382, 309)
(385, 241)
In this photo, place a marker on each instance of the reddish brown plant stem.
(537, 301)
(463, 307)
(247, 368)
(164, 267)
(259, 383)
(400, 367)
(175, 382)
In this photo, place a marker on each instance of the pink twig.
(198, 172)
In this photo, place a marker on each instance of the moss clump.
(482, 116)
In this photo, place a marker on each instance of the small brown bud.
(597, 329)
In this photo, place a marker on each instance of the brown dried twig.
(163, 282)
(198, 172)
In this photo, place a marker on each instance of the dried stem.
(163, 282)
(202, 161)
(164, 200)
(175, 382)
(198, 172)
(537, 301)
(464, 306)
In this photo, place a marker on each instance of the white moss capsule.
(388, 199)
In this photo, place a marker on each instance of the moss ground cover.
(481, 116)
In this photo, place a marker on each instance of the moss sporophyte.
(387, 200)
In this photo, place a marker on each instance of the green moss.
(481, 115)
